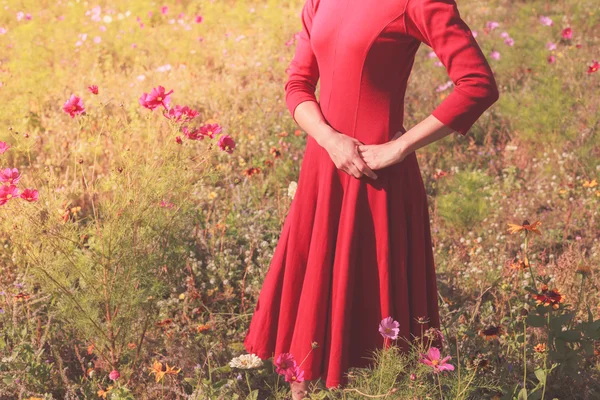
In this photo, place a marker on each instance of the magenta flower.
(192, 134)
(284, 362)
(3, 147)
(546, 21)
(226, 143)
(504, 35)
(198, 19)
(491, 25)
(164, 10)
(181, 113)
(10, 176)
(495, 55)
(389, 328)
(8, 192)
(551, 59)
(157, 97)
(114, 375)
(74, 106)
(567, 33)
(509, 41)
(294, 374)
(178, 140)
(93, 89)
(432, 358)
(30, 195)
(595, 66)
(210, 130)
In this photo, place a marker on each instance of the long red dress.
(354, 251)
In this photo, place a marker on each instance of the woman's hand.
(343, 152)
(378, 156)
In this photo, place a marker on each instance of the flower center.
(159, 98)
(435, 362)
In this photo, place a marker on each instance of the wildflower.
(432, 358)
(509, 41)
(490, 332)
(549, 297)
(226, 143)
(495, 55)
(3, 147)
(584, 270)
(30, 195)
(157, 370)
(93, 89)
(292, 187)
(74, 106)
(178, 140)
(567, 33)
(389, 328)
(157, 97)
(413, 377)
(491, 25)
(246, 361)
(8, 192)
(164, 10)
(594, 67)
(526, 226)
(103, 393)
(114, 375)
(193, 134)
(10, 176)
(590, 184)
(520, 265)
(251, 171)
(180, 113)
(294, 374)
(551, 46)
(551, 59)
(284, 362)
(210, 130)
(546, 20)
(540, 348)
(198, 19)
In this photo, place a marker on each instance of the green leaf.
(523, 394)
(540, 374)
(536, 321)
(569, 336)
(253, 395)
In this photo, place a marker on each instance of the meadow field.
(147, 163)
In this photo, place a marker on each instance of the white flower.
(246, 361)
(292, 189)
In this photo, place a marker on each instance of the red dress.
(354, 251)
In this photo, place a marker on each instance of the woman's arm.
(438, 24)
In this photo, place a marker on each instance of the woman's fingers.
(364, 168)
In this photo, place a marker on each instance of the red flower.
(549, 297)
(567, 33)
(226, 143)
(181, 113)
(157, 97)
(193, 134)
(10, 176)
(74, 106)
(8, 192)
(114, 375)
(178, 140)
(93, 89)
(594, 67)
(30, 195)
(3, 147)
(210, 129)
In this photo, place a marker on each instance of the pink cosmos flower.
(226, 143)
(551, 59)
(432, 358)
(3, 30)
(30, 195)
(3, 147)
(594, 67)
(389, 328)
(157, 97)
(20, 15)
(164, 10)
(114, 375)
(8, 192)
(74, 106)
(10, 176)
(178, 140)
(166, 204)
(198, 19)
(210, 130)
(93, 89)
(504, 35)
(284, 362)
(181, 113)
(294, 374)
(551, 46)
(509, 41)
(495, 55)
(567, 33)
(491, 25)
(546, 21)
(474, 33)
(192, 134)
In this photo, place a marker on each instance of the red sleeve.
(303, 71)
(438, 24)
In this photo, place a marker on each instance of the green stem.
(528, 262)
(248, 382)
(440, 386)
(546, 361)
(524, 353)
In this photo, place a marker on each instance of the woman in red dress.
(356, 245)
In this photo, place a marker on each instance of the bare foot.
(299, 390)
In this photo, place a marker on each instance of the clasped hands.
(358, 159)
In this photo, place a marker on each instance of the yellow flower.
(157, 370)
(212, 195)
(526, 226)
(590, 184)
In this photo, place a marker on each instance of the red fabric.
(354, 251)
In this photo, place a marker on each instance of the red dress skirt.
(354, 251)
